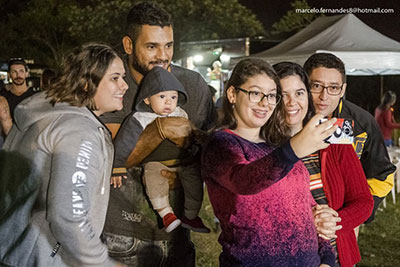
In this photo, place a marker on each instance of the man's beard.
(142, 68)
(19, 83)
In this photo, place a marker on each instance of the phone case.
(344, 133)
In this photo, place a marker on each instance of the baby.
(161, 95)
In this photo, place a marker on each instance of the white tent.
(363, 50)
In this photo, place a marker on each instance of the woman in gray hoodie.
(70, 154)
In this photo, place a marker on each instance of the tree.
(294, 21)
(193, 20)
(210, 19)
(98, 20)
(39, 30)
(47, 29)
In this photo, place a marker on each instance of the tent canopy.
(363, 50)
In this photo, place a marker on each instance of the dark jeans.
(149, 253)
(389, 142)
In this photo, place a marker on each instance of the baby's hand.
(117, 180)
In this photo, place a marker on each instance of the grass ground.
(207, 246)
(379, 241)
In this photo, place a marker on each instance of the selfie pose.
(258, 187)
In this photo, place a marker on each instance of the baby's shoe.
(170, 222)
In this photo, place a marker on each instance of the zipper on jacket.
(55, 249)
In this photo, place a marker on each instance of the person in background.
(5, 117)
(2, 85)
(70, 152)
(328, 86)
(337, 179)
(258, 187)
(47, 77)
(213, 91)
(384, 117)
(133, 231)
(18, 90)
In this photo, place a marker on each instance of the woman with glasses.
(257, 185)
(337, 180)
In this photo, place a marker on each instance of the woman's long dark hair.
(387, 100)
(286, 69)
(275, 131)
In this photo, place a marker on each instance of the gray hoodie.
(60, 222)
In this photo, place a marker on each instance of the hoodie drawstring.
(106, 173)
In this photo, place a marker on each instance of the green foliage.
(207, 246)
(101, 21)
(46, 29)
(210, 19)
(379, 241)
(292, 21)
(38, 30)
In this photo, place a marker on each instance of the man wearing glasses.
(328, 86)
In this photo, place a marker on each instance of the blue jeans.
(389, 142)
(136, 252)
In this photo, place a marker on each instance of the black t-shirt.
(14, 100)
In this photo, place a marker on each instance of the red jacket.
(346, 189)
(386, 122)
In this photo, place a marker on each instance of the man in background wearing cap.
(19, 90)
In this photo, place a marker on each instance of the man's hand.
(172, 178)
(177, 129)
(120, 264)
(325, 220)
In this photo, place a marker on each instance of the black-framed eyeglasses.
(256, 97)
(330, 89)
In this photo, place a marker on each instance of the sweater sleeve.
(388, 119)
(125, 142)
(325, 251)
(358, 201)
(76, 178)
(225, 161)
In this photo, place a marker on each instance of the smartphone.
(344, 132)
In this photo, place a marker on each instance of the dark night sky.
(269, 11)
